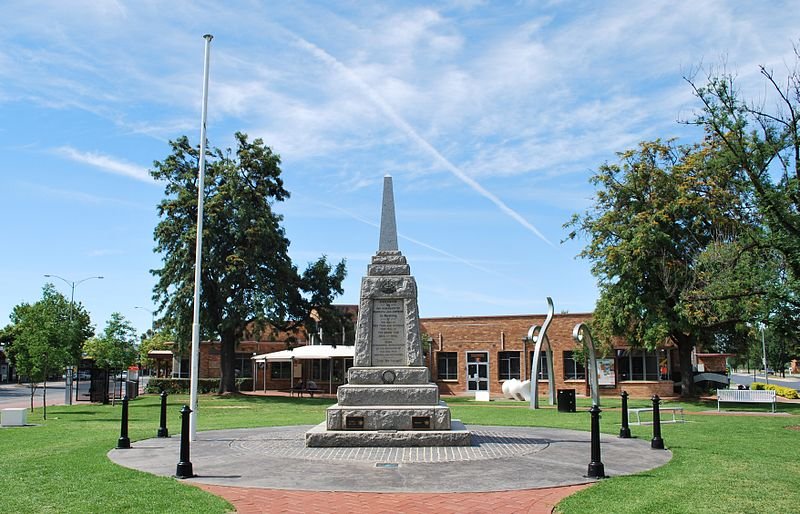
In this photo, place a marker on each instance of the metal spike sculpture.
(582, 335)
(539, 335)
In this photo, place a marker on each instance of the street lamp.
(152, 317)
(764, 353)
(72, 285)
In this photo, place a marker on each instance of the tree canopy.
(663, 220)
(46, 336)
(248, 278)
(115, 348)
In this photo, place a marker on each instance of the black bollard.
(596, 468)
(184, 466)
(162, 430)
(625, 430)
(123, 441)
(656, 443)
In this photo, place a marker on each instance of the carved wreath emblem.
(388, 376)
(388, 287)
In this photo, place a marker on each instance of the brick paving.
(252, 501)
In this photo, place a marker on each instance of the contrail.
(413, 135)
(420, 243)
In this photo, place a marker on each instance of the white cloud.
(106, 163)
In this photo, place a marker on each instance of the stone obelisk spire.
(388, 240)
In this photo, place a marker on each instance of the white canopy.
(314, 351)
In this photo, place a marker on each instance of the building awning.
(160, 353)
(314, 351)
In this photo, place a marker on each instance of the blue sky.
(489, 116)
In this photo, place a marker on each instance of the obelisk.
(389, 399)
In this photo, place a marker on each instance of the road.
(19, 395)
(792, 381)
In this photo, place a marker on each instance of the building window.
(543, 373)
(447, 365)
(573, 369)
(643, 365)
(508, 365)
(243, 365)
(320, 369)
(280, 370)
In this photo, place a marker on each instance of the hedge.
(182, 385)
(786, 392)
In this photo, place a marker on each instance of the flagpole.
(201, 179)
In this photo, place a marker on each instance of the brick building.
(470, 353)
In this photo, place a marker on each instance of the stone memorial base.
(321, 437)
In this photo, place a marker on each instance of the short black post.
(625, 430)
(184, 466)
(123, 441)
(656, 443)
(596, 468)
(162, 429)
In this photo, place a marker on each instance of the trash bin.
(566, 400)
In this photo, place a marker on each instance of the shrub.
(786, 392)
(182, 385)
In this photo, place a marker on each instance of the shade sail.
(314, 351)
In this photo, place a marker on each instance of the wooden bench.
(677, 415)
(746, 396)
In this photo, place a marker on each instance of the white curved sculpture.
(538, 335)
(524, 391)
(509, 386)
(582, 335)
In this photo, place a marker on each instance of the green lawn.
(721, 463)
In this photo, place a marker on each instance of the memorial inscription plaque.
(388, 333)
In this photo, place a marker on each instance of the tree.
(248, 279)
(115, 348)
(46, 336)
(664, 221)
(761, 143)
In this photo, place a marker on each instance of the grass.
(720, 464)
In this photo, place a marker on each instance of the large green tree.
(46, 336)
(664, 221)
(248, 279)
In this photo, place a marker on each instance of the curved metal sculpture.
(539, 335)
(582, 334)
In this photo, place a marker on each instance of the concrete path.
(508, 469)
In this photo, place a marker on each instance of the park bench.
(677, 415)
(746, 396)
(300, 391)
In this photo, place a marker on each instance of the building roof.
(313, 351)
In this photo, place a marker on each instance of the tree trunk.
(685, 344)
(227, 381)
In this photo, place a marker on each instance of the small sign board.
(421, 422)
(354, 422)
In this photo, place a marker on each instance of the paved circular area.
(487, 444)
(501, 459)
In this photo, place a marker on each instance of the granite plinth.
(321, 437)
(419, 394)
(409, 375)
(388, 417)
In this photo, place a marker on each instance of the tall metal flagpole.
(201, 179)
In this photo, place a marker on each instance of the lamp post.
(72, 285)
(764, 353)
